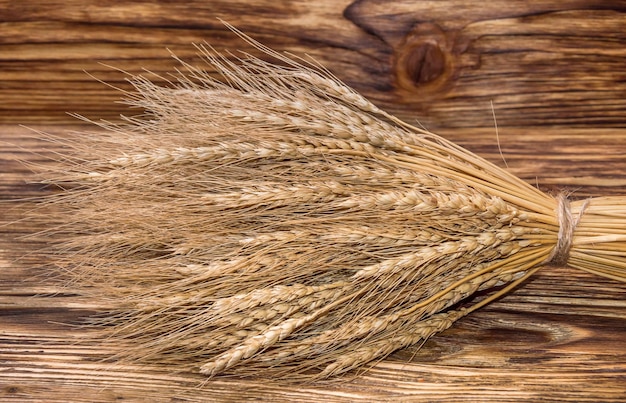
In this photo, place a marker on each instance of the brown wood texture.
(555, 71)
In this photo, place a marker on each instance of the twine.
(567, 225)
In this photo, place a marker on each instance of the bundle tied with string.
(567, 226)
(273, 222)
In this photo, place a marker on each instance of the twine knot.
(567, 225)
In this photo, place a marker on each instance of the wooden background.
(554, 70)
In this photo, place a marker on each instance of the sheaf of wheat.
(273, 222)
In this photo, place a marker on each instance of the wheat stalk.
(277, 223)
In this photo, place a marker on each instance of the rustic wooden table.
(555, 71)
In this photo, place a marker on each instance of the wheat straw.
(276, 223)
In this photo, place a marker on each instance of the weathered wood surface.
(561, 337)
(546, 62)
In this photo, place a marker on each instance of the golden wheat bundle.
(275, 222)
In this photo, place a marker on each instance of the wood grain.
(560, 337)
(555, 71)
(442, 62)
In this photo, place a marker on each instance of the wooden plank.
(562, 336)
(546, 63)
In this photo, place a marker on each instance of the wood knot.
(424, 58)
(424, 63)
(12, 390)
